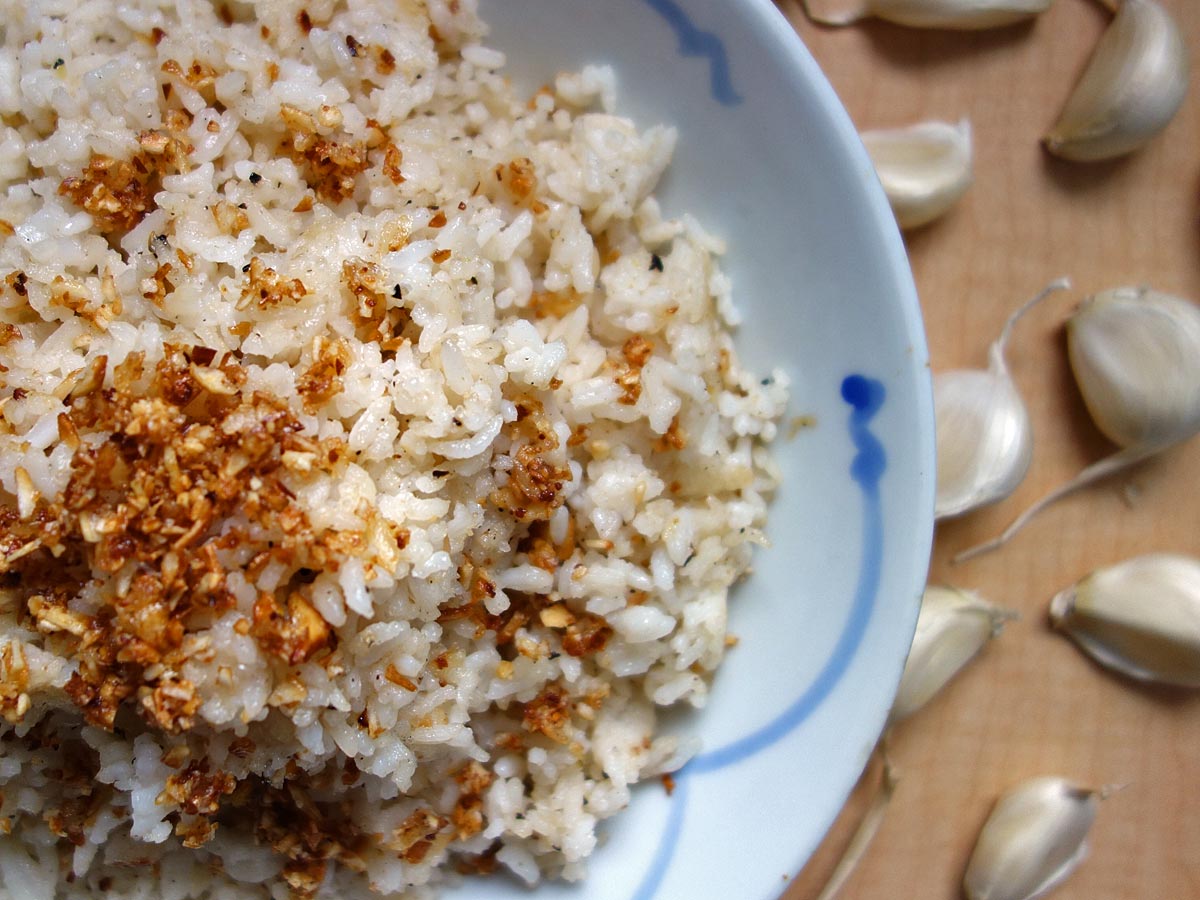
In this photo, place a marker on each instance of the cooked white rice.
(375, 458)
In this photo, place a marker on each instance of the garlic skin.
(1132, 87)
(1140, 617)
(1034, 838)
(963, 15)
(924, 168)
(983, 433)
(952, 627)
(1135, 353)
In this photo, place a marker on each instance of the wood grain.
(1033, 704)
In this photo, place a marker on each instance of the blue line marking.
(866, 397)
(694, 41)
(666, 844)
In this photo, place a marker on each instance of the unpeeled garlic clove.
(1033, 839)
(924, 168)
(952, 627)
(1135, 354)
(1140, 617)
(1132, 87)
(956, 14)
(983, 433)
(984, 440)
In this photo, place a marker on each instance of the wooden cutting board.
(1032, 704)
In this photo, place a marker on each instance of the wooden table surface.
(1032, 704)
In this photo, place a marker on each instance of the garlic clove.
(952, 627)
(1135, 353)
(954, 14)
(983, 433)
(984, 440)
(924, 168)
(1140, 617)
(1132, 87)
(1033, 839)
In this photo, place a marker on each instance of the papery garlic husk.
(1140, 617)
(1135, 353)
(868, 826)
(984, 436)
(924, 168)
(1132, 87)
(1034, 838)
(952, 627)
(955, 14)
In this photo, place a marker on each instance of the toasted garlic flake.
(1034, 838)
(953, 626)
(1135, 354)
(1132, 87)
(1140, 618)
(957, 14)
(984, 436)
(924, 168)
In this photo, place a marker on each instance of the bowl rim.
(781, 37)
(764, 27)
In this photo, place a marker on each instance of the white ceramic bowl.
(768, 159)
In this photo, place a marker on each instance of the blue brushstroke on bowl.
(866, 397)
(694, 41)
